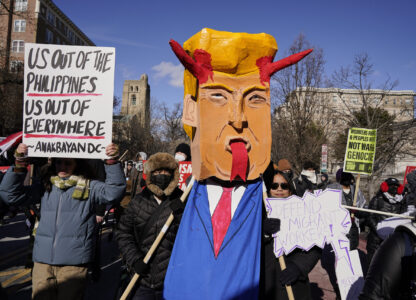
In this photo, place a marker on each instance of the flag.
(10, 141)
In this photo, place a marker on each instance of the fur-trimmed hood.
(161, 161)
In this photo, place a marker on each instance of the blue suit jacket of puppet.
(195, 273)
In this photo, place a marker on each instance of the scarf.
(393, 199)
(311, 175)
(81, 185)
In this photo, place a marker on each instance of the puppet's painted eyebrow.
(211, 86)
(254, 88)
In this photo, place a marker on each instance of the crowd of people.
(74, 194)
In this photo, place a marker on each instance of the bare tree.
(395, 132)
(172, 119)
(298, 133)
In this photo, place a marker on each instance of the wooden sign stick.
(124, 155)
(377, 212)
(357, 186)
(156, 242)
(282, 262)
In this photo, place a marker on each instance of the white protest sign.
(350, 280)
(68, 100)
(314, 220)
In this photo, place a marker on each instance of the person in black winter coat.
(392, 273)
(298, 263)
(389, 199)
(307, 180)
(144, 218)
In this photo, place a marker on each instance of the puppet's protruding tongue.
(240, 159)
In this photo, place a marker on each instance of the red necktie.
(221, 218)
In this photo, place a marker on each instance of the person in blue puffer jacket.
(64, 239)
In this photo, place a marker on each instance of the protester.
(64, 239)
(307, 180)
(284, 166)
(324, 181)
(138, 182)
(392, 272)
(183, 152)
(345, 183)
(389, 198)
(129, 169)
(144, 218)
(298, 263)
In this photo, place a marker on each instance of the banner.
(408, 170)
(361, 150)
(68, 100)
(185, 170)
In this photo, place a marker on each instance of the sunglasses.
(283, 185)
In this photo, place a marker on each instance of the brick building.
(28, 21)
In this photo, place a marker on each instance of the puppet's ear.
(190, 114)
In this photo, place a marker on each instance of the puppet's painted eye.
(217, 96)
(255, 98)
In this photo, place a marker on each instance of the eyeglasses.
(283, 185)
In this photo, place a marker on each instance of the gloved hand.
(177, 206)
(112, 151)
(271, 226)
(21, 159)
(140, 267)
(290, 275)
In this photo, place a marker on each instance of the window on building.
(71, 36)
(131, 89)
(386, 101)
(49, 36)
(20, 5)
(64, 29)
(50, 17)
(20, 26)
(133, 100)
(16, 66)
(58, 40)
(408, 101)
(334, 98)
(58, 23)
(354, 100)
(394, 101)
(42, 9)
(137, 88)
(18, 46)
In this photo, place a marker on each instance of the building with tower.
(136, 100)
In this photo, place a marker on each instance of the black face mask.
(161, 180)
(392, 190)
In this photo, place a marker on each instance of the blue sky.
(140, 32)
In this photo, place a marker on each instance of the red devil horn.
(201, 70)
(267, 68)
